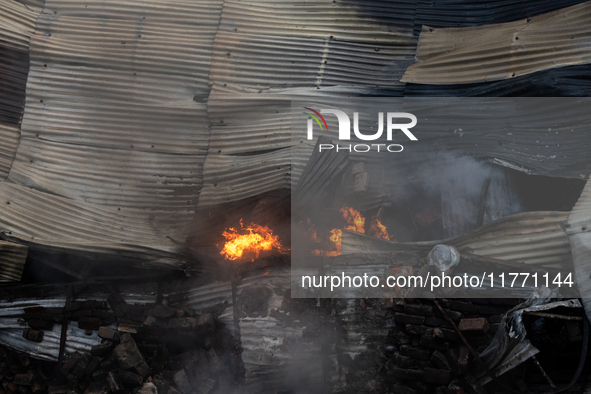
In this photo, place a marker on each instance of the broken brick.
(129, 356)
(108, 333)
(130, 379)
(24, 379)
(206, 323)
(33, 335)
(114, 382)
(163, 312)
(475, 324)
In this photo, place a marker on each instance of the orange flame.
(379, 230)
(355, 221)
(334, 238)
(253, 240)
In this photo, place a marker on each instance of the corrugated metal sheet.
(571, 81)
(113, 139)
(13, 302)
(17, 23)
(302, 43)
(579, 235)
(530, 237)
(36, 217)
(456, 55)
(464, 13)
(12, 261)
(9, 139)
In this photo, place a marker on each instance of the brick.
(437, 376)
(163, 312)
(109, 333)
(402, 318)
(92, 365)
(70, 363)
(418, 310)
(414, 329)
(130, 379)
(33, 335)
(476, 324)
(24, 379)
(417, 354)
(81, 365)
(114, 382)
(101, 349)
(463, 307)
(129, 356)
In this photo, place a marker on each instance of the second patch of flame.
(251, 240)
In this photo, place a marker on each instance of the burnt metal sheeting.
(9, 138)
(579, 234)
(464, 13)
(17, 23)
(113, 136)
(530, 237)
(571, 81)
(12, 261)
(51, 221)
(310, 44)
(502, 51)
(232, 178)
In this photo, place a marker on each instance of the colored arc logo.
(315, 118)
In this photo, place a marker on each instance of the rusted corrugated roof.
(502, 51)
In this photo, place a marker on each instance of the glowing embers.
(249, 242)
